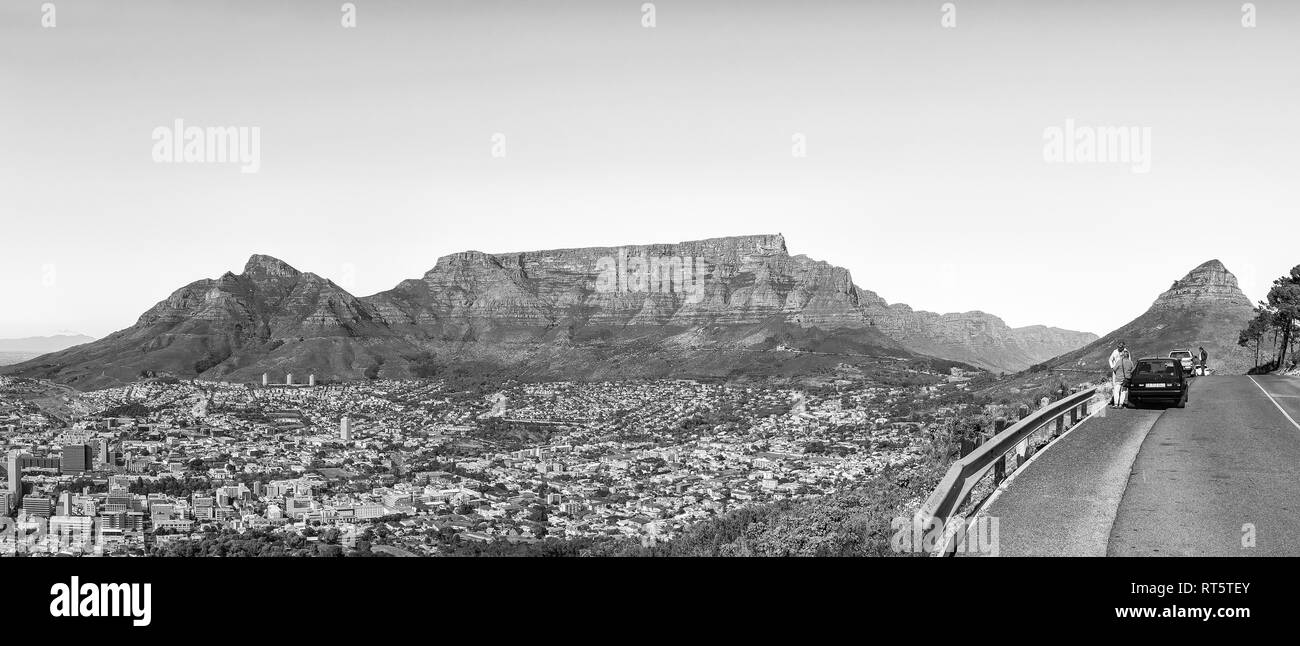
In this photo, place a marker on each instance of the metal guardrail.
(965, 473)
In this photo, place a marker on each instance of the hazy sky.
(924, 175)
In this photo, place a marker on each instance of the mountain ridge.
(710, 307)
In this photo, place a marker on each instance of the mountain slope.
(270, 317)
(1205, 308)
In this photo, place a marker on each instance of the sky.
(923, 169)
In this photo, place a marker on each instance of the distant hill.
(17, 350)
(1205, 308)
(705, 308)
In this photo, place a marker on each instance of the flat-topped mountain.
(699, 308)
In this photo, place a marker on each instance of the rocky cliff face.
(738, 280)
(705, 307)
(1208, 285)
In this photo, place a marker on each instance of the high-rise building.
(76, 458)
(311, 380)
(101, 452)
(15, 480)
(266, 379)
(345, 429)
(288, 379)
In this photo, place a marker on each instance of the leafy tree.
(1254, 331)
(1283, 306)
(1285, 296)
(537, 514)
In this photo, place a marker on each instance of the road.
(1218, 478)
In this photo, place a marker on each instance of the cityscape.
(419, 467)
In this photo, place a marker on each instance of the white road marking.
(1279, 406)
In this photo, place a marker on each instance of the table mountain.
(711, 307)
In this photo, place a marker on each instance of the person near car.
(1121, 366)
(1205, 357)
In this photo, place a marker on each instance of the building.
(76, 458)
(296, 505)
(288, 379)
(37, 505)
(266, 380)
(345, 429)
(203, 507)
(396, 498)
(48, 464)
(15, 480)
(72, 526)
(123, 521)
(102, 458)
(311, 380)
(173, 524)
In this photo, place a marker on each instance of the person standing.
(1121, 365)
(1205, 358)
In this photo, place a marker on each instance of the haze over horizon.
(924, 173)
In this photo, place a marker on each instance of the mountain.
(16, 350)
(711, 307)
(1205, 308)
(976, 338)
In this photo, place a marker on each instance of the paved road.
(1205, 473)
(1167, 482)
(1063, 503)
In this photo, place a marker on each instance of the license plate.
(1157, 385)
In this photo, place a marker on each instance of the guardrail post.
(999, 467)
(1060, 426)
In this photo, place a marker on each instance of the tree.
(1284, 299)
(1254, 331)
(537, 514)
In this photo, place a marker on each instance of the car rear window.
(1180, 355)
(1156, 368)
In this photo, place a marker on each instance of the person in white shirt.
(1120, 367)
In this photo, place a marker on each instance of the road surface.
(1218, 478)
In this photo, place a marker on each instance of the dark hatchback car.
(1158, 380)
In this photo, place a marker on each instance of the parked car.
(1186, 358)
(1158, 380)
